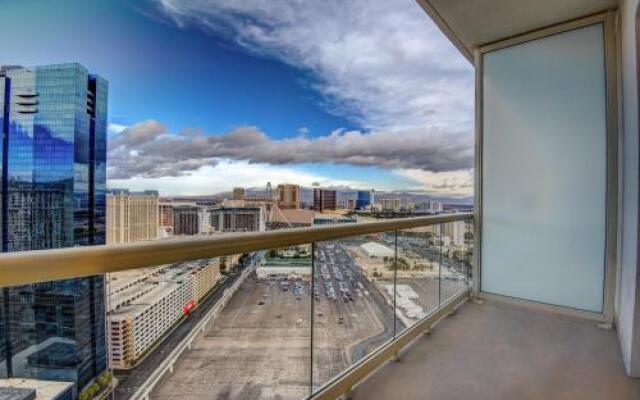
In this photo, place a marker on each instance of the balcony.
(500, 350)
(533, 296)
(333, 303)
(402, 326)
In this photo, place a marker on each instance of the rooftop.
(374, 249)
(21, 389)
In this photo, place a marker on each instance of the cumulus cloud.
(382, 63)
(457, 183)
(212, 179)
(149, 150)
(115, 128)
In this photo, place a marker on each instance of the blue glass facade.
(53, 195)
(364, 200)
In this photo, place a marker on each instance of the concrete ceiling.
(473, 23)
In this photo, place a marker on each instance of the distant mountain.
(422, 197)
(379, 194)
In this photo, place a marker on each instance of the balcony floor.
(504, 351)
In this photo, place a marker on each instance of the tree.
(105, 379)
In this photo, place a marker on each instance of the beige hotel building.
(131, 216)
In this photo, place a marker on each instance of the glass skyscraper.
(53, 182)
(364, 199)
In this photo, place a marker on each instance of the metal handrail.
(22, 268)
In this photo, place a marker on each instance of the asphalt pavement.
(130, 380)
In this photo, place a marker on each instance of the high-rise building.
(132, 216)
(53, 182)
(306, 197)
(324, 199)
(364, 199)
(238, 193)
(255, 197)
(185, 220)
(346, 199)
(455, 232)
(391, 204)
(288, 196)
(166, 207)
(237, 219)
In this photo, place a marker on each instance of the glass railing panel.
(418, 274)
(247, 319)
(268, 324)
(456, 257)
(353, 301)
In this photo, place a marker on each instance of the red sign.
(188, 307)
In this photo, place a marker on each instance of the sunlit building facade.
(288, 196)
(54, 122)
(132, 216)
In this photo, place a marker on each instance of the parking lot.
(259, 347)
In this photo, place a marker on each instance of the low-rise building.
(332, 219)
(377, 250)
(35, 389)
(293, 262)
(137, 322)
(291, 218)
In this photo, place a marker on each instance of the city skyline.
(254, 94)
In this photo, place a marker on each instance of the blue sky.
(269, 91)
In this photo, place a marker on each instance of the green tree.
(105, 379)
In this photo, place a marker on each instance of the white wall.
(544, 170)
(627, 313)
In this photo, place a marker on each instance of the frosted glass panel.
(544, 170)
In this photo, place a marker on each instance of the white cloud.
(116, 128)
(383, 63)
(458, 183)
(226, 174)
(158, 152)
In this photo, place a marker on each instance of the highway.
(130, 380)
